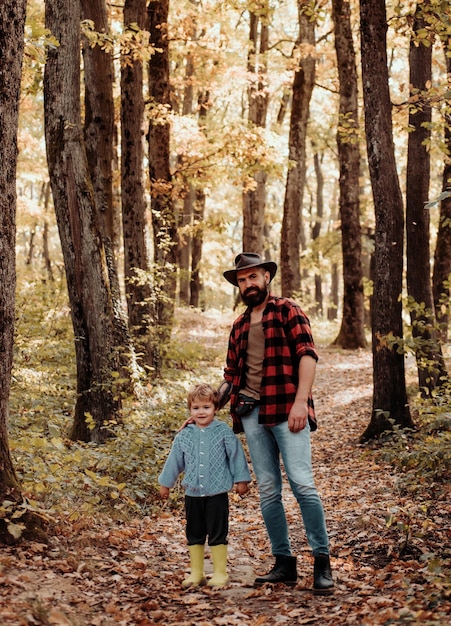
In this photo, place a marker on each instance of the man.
(271, 362)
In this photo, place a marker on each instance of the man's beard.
(254, 298)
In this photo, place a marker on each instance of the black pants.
(207, 517)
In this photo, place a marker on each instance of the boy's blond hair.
(204, 392)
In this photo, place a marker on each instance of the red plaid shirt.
(288, 337)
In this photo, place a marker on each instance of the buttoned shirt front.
(288, 337)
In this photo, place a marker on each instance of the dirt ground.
(100, 573)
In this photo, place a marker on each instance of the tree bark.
(254, 200)
(333, 297)
(99, 121)
(186, 218)
(196, 248)
(163, 215)
(134, 220)
(389, 386)
(293, 236)
(12, 19)
(100, 140)
(442, 257)
(185, 223)
(12, 13)
(352, 332)
(430, 363)
(198, 219)
(316, 230)
(191, 220)
(97, 403)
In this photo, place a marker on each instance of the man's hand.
(224, 393)
(297, 418)
(185, 423)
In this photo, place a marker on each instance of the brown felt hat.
(246, 260)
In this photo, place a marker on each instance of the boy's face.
(202, 411)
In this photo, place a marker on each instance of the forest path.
(103, 573)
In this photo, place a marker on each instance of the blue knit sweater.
(211, 458)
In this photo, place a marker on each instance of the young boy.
(213, 461)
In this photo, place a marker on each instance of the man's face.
(253, 285)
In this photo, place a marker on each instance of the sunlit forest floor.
(390, 530)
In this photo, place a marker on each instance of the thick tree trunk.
(99, 122)
(134, 220)
(12, 14)
(163, 215)
(442, 257)
(430, 363)
(101, 140)
(292, 236)
(352, 333)
(254, 200)
(389, 393)
(12, 19)
(84, 256)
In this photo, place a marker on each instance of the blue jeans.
(266, 445)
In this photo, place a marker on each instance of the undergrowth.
(422, 456)
(69, 479)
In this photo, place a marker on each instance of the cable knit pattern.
(211, 458)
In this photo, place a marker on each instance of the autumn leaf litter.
(100, 572)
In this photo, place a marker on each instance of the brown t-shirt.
(254, 360)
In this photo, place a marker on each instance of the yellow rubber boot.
(219, 556)
(197, 576)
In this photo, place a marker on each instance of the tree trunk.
(292, 236)
(163, 215)
(442, 257)
(97, 402)
(12, 13)
(198, 219)
(45, 197)
(100, 127)
(185, 224)
(389, 393)
(100, 141)
(430, 363)
(316, 230)
(134, 221)
(30, 254)
(254, 200)
(333, 306)
(46, 251)
(352, 333)
(196, 248)
(186, 218)
(12, 19)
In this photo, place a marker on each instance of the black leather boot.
(323, 583)
(284, 571)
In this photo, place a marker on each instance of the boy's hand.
(241, 488)
(164, 492)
